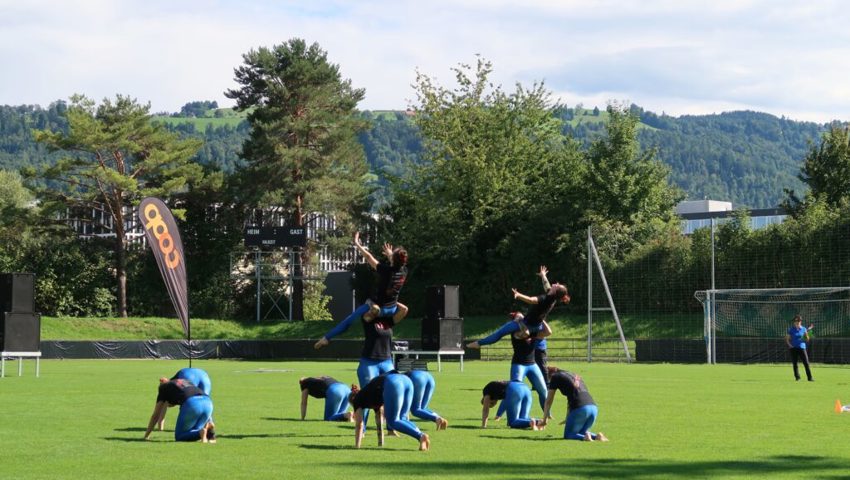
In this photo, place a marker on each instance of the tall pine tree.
(302, 156)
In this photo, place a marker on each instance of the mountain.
(744, 157)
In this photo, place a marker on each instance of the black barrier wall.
(211, 349)
(740, 350)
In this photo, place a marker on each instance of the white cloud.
(782, 57)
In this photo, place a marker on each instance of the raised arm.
(545, 331)
(524, 298)
(542, 273)
(304, 395)
(370, 259)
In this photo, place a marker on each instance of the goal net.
(749, 325)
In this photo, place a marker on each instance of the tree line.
(482, 185)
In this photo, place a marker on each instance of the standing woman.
(522, 362)
(390, 394)
(423, 390)
(516, 403)
(796, 339)
(335, 394)
(194, 422)
(581, 409)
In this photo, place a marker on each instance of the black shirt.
(523, 350)
(390, 281)
(573, 387)
(379, 336)
(496, 390)
(317, 387)
(540, 310)
(372, 395)
(175, 392)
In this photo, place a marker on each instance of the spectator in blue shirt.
(796, 339)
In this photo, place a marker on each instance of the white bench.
(438, 353)
(20, 356)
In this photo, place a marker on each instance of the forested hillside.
(745, 157)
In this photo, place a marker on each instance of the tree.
(302, 155)
(626, 189)
(482, 205)
(114, 156)
(825, 170)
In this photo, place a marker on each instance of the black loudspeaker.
(17, 292)
(20, 332)
(442, 333)
(441, 301)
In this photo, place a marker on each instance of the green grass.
(563, 326)
(86, 418)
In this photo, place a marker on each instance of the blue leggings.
(194, 414)
(367, 370)
(519, 371)
(518, 405)
(342, 326)
(579, 422)
(398, 395)
(336, 402)
(423, 390)
(197, 377)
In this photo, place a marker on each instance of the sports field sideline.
(86, 419)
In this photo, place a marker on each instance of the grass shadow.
(633, 468)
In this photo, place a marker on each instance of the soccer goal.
(749, 325)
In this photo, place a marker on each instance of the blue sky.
(788, 58)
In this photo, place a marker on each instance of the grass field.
(86, 418)
(563, 326)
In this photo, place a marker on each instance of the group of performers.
(395, 396)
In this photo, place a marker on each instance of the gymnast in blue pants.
(516, 404)
(522, 363)
(194, 422)
(392, 395)
(581, 409)
(335, 394)
(378, 315)
(423, 390)
(196, 377)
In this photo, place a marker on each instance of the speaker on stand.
(20, 326)
(442, 327)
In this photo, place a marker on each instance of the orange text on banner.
(155, 223)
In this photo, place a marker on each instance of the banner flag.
(164, 238)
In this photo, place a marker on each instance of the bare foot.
(588, 437)
(601, 437)
(392, 432)
(323, 342)
(424, 442)
(349, 416)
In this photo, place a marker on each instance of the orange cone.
(838, 406)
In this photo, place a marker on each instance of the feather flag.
(164, 239)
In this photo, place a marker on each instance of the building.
(697, 214)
